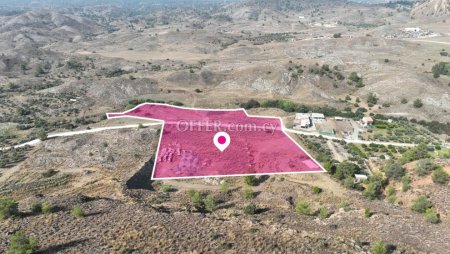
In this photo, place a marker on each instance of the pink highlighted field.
(187, 150)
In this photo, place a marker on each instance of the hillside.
(432, 8)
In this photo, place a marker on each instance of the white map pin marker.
(222, 140)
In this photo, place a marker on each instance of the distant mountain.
(432, 8)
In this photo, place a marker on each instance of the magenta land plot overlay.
(187, 149)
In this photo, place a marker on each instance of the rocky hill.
(432, 8)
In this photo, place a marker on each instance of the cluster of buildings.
(413, 32)
(307, 120)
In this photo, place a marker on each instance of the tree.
(379, 248)
(250, 180)
(375, 186)
(303, 208)
(421, 204)
(371, 191)
(418, 103)
(337, 35)
(439, 176)
(346, 169)
(78, 212)
(372, 99)
(8, 208)
(354, 77)
(21, 244)
(394, 170)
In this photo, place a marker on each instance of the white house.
(359, 178)
(366, 121)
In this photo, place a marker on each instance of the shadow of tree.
(61, 247)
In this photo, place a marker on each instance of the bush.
(167, 188)
(406, 183)
(8, 208)
(303, 208)
(21, 244)
(323, 213)
(316, 190)
(47, 208)
(248, 193)
(78, 212)
(431, 216)
(367, 213)
(346, 169)
(250, 209)
(372, 99)
(49, 173)
(439, 176)
(371, 191)
(224, 187)
(210, 203)
(425, 166)
(379, 248)
(421, 204)
(418, 103)
(394, 170)
(36, 207)
(42, 135)
(250, 180)
(404, 101)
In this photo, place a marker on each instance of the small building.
(302, 120)
(359, 178)
(338, 118)
(366, 121)
(317, 116)
(412, 29)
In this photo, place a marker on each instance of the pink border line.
(192, 177)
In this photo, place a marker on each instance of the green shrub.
(47, 208)
(439, 176)
(167, 188)
(417, 103)
(250, 180)
(379, 248)
(431, 216)
(224, 187)
(42, 135)
(21, 244)
(323, 213)
(36, 207)
(8, 208)
(49, 173)
(394, 170)
(316, 190)
(406, 183)
(250, 209)
(248, 193)
(210, 203)
(78, 212)
(197, 199)
(425, 166)
(421, 204)
(367, 213)
(303, 208)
